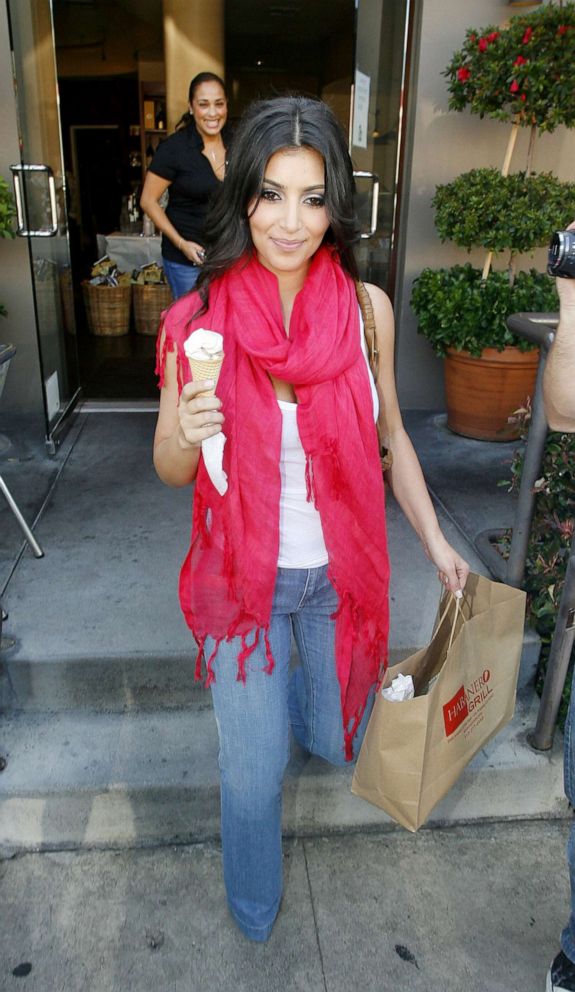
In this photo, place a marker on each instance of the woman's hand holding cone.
(199, 413)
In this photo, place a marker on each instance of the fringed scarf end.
(310, 494)
(247, 650)
(269, 656)
(163, 345)
(348, 740)
(199, 659)
(210, 674)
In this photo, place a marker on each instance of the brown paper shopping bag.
(414, 751)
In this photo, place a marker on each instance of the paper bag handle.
(446, 609)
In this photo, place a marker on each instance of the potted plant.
(515, 74)
(462, 312)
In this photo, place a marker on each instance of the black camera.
(561, 255)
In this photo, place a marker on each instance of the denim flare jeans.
(254, 721)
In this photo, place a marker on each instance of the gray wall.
(446, 143)
(23, 391)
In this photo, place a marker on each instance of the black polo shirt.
(179, 159)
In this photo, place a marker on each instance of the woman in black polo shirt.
(189, 164)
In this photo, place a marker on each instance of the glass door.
(40, 193)
(383, 36)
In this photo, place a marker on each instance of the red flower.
(473, 37)
(514, 86)
(520, 60)
(463, 74)
(483, 44)
(563, 29)
(523, 97)
(527, 35)
(493, 36)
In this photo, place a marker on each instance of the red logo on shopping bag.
(455, 711)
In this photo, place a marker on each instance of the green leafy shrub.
(515, 212)
(7, 211)
(456, 309)
(549, 541)
(523, 72)
(7, 214)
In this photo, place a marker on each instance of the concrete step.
(112, 683)
(148, 681)
(108, 684)
(80, 780)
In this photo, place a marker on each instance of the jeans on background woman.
(181, 278)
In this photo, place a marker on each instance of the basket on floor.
(107, 309)
(149, 301)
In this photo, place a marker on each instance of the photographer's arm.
(559, 377)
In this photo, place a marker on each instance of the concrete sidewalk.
(112, 767)
(476, 908)
(109, 741)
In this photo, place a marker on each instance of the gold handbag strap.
(364, 300)
(366, 307)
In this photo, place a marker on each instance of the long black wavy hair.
(266, 127)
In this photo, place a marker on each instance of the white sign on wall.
(52, 395)
(360, 109)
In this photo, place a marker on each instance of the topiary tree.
(513, 213)
(522, 73)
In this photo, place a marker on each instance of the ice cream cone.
(206, 370)
(205, 353)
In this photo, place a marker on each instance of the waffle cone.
(206, 370)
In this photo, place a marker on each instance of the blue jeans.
(254, 721)
(568, 935)
(181, 278)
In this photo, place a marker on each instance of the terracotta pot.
(482, 393)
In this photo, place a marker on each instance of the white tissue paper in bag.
(213, 455)
(400, 689)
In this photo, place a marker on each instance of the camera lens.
(561, 255)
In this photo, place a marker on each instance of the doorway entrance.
(109, 65)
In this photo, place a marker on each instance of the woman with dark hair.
(297, 543)
(190, 165)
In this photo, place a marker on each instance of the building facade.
(79, 67)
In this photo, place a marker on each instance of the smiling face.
(289, 219)
(209, 108)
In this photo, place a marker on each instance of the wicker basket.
(108, 309)
(149, 301)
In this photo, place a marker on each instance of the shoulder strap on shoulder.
(366, 307)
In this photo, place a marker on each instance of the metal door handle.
(22, 230)
(374, 200)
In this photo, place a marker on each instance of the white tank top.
(301, 536)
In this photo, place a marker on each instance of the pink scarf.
(228, 577)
